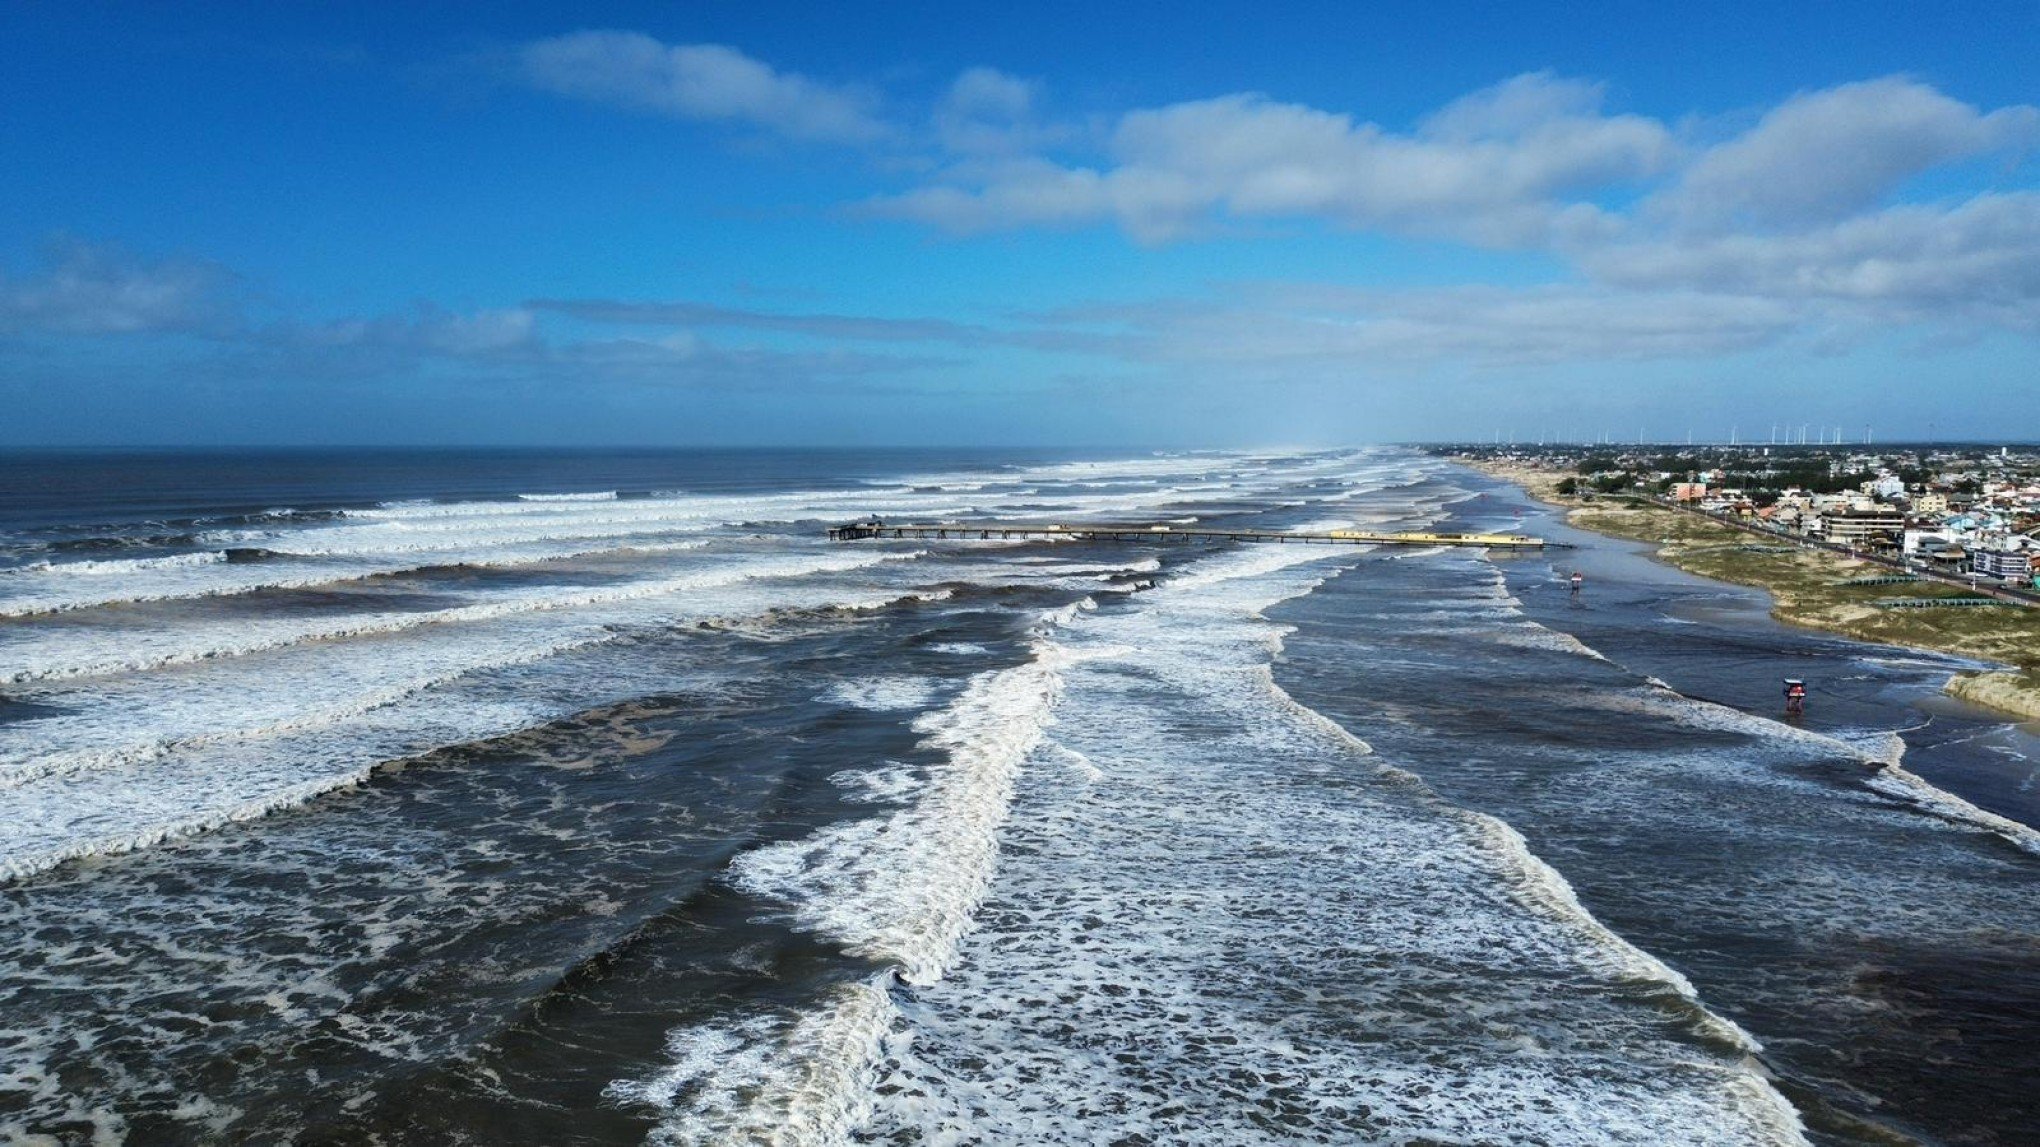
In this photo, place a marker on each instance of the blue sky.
(1015, 224)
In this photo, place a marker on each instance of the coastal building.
(1922, 541)
(1944, 558)
(1689, 491)
(1859, 526)
(1927, 502)
(2006, 563)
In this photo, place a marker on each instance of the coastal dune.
(1807, 588)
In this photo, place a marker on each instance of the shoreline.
(1806, 589)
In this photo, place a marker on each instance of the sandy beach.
(1807, 588)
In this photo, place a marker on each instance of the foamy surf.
(1213, 915)
(1106, 965)
(844, 881)
(787, 1080)
(66, 654)
(1883, 753)
(1883, 759)
(899, 889)
(398, 537)
(120, 786)
(1762, 864)
(883, 693)
(115, 567)
(981, 986)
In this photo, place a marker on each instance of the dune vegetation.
(1809, 587)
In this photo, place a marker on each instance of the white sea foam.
(399, 537)
(1404, 954)
(777, 1079)
(1531, 635)
(902, 888)
(131, 762)
(114, 567)
(114, 972)
(57, 654)
(1881, 753)
(1172, 826)
(199, 579)
(883, 693)
(160, 715)
(1882, 756)
(888, 784)
(899, 888)
(1897, 781)
(198, 723)
(1542, 886)
(1049, 567)
(1884, 753)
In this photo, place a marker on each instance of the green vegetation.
(1809, 588)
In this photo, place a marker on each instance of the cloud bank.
(101, 289)
(1876, 202)
(1834, 218)
(1497, 166)
(709, 82)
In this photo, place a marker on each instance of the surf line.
(810, 1080)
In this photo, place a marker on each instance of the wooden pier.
(1122, 532)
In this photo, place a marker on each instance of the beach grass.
(1806, 590)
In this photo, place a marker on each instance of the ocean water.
(562, 798)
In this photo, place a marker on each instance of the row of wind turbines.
(1825, 436)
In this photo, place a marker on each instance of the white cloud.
(987, 112)
(839, 328)
(1805, 206)
(1821, 156)
(988, 93)
(1532, 161)
(429, 330)
(707, 82)
(1490, 166)
(511, 344)
(1298, 333)
(90, 289)
(1515, 106)
(1974, 261)
(1807, 226)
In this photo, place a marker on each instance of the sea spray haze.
(601, 799)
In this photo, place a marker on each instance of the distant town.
(1964, 510)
